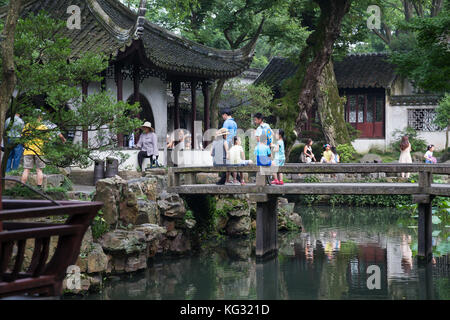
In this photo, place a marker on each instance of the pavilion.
(148, 64)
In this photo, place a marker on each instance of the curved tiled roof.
(354, 71)
(108, 26)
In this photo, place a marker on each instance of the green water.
(328, 260)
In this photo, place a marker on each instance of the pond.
(328, 260)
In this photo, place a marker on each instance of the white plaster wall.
(397, 118)
(364, 145)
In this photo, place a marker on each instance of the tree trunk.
(215, 103)
(318, 52)
(8, 71)
(331, 108)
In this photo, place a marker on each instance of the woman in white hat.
(148, 144)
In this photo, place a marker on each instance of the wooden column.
(136, 83)
(425, 246)
(206, 105)
(176, 89)
(84, 91)
(194, 113)
(266, 224)
(119, 85)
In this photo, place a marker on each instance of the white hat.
(147, 124)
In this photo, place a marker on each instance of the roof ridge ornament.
(140, 19)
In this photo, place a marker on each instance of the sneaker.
(236, 182)
(229, 183)
(280, 182)
(274, 181)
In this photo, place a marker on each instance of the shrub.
(294, 155)
(346, 152)
(99, 225)
(417, 144)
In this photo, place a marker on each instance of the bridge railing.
(425, 170)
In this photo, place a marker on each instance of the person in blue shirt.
(262, 152)
(230, 125)
(279, 157)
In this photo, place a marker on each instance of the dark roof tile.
(354, 71)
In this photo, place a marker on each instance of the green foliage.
(47, 83)
(296, 151)
(247, 100)
(427, 62)
(346, 152)
(99, 225)
(19, 191)
(417, 144)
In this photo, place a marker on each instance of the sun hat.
(222, 132)
(147, 124)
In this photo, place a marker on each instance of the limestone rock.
(233, 206)
(151, 231)
(417, 156)
(238, 226)
(97, 261)
(171, 205)
(371, 158)
(109, 192)
(207, 178)
(123, 241)
(148, 212)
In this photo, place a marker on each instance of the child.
(262, 152)
(279, 157)
(237, 157)
(336, 156)
(429, 155)
(328, 156)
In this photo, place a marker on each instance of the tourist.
(328, 156)
(429, 155)
(148, 145)
(236, 156)
(262, 152)
(307, 155)
(405, 153)
(337, 159)
(219, 152)
(230, 125)
(279, 157)
(262, 129)
(14, 133)
(33, 153)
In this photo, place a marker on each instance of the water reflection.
(329, 260)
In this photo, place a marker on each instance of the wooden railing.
(44, 275)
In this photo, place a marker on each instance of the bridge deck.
(314, 188)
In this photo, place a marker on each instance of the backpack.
(268, 132)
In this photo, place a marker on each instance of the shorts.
(29, 161)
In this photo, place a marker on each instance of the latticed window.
(422, 119)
